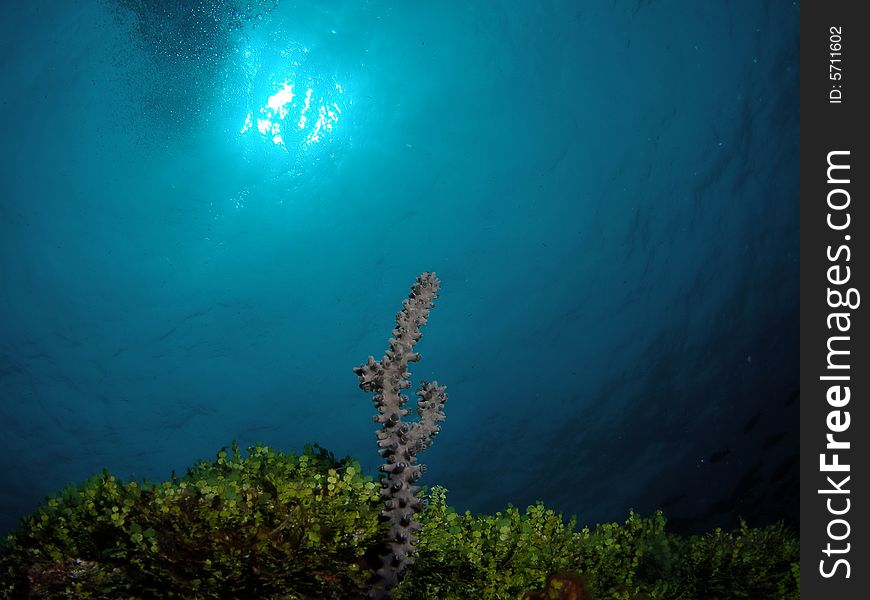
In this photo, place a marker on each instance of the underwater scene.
(399, 299)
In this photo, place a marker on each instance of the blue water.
(607, 190)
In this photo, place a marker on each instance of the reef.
(272, 525)
(275, 525)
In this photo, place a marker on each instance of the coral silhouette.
(400, 441)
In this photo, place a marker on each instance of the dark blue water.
(607, 190)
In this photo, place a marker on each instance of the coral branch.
(399, 441)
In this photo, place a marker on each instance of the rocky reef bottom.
(267, 524)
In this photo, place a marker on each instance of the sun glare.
(293, 117)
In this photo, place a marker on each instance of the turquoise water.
(211, 212)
